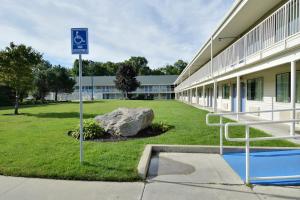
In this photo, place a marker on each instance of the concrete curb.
(150, 149)
(144, 162)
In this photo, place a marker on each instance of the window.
(255, 89)
(298, 87)
(225, 91)
(199, 92)
(283, 87)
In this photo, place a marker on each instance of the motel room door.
(209, 97)
(243, 97)
(233, 98)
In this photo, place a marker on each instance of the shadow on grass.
(61, 115)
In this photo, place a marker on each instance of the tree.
(7, 95)
(85, 68)
(60, 81)
(126, 79)
(111, 69)
(41, 85)
(41, 80)
(17, 63)
(180, 65)
(139, 63)
(158, 71)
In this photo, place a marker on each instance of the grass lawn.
(35, 143)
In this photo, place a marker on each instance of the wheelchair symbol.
(78, 39)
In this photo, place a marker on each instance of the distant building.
(103, 87)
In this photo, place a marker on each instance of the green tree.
(180, 65)
(41, 80)
(85, 68)
(139, 63)
(17, 63)
(41, 85)
(7, 96)
(111, 68)
(126, 79)
(60, 81)
(158, 71)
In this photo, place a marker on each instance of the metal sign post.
(79, 43)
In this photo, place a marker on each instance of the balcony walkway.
(275, 129)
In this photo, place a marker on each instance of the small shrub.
(91, 130)
(160, 127)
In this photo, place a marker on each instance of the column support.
(293, 96)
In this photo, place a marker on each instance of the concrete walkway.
(172, 176)
(189, 176)
(274, 129)
(15, 188)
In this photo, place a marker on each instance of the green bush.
(160, 127)
(91, 130)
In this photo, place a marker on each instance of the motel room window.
(225, 91)
(283, 87)
(298, 87)
(255, 89)
(199, 92)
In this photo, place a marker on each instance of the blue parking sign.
(79, 41)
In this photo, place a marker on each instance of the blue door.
(243, 97)
(207, 97)
(211, 97)
(233, 98)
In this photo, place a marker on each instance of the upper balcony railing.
(276, 28)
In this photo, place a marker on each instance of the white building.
(103, 87)
(250, 63)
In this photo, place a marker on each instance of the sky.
(163, 31)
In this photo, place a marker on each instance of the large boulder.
(126, 121)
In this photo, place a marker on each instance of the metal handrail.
(248, 124)
(221, 115)
(247, 140)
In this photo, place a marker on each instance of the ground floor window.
(298, 87)
(283, 87)
(225, 91)
(255, 89)
(199, 92)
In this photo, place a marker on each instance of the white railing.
(283, 23)
(247, 138)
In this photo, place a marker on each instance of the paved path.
(172, 176)
(176, 176)
(13, 188)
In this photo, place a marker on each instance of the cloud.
(161, 30)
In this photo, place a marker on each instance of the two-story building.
(250, 62)
(103, 87)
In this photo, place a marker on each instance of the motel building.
(103, 87)
(250, 63)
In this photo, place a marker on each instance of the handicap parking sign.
(79, 41)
